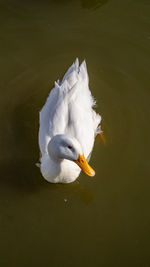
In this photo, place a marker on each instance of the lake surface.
(100, 221)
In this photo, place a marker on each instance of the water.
(100, 221)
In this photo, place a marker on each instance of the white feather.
(68, 110)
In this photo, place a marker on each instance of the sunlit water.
(100, 221)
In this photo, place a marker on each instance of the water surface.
(101, 221)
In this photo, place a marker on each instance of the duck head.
(64, 147)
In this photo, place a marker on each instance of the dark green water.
(100, 221)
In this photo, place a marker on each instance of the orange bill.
(82, 163)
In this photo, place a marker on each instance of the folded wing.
(69, 110)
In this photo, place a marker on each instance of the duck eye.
(70, 147)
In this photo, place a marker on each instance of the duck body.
(67, 117)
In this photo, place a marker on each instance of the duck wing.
(53, 116)
(83, 121)
(69, 110)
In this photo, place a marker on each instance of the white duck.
(68, 126)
